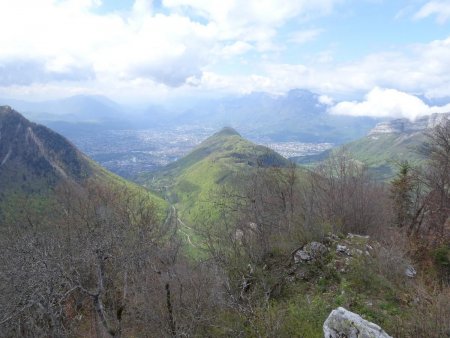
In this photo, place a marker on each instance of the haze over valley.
(130, 141)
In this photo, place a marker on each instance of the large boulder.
(343, 323)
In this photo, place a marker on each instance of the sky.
(364, 57)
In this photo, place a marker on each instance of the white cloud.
(224, 84)
(233, 13)
(130, 92)
(142, 7)
(388, 102)
(326, 100)
(419, 68)
(252, 20)
(47, 41)
(24, 72)
(66, 44)
(440, 9)
(237, 48)
(301, 37)
(58, 37)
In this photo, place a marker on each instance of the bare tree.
(437, 178)
(106, 261)
(348, 196)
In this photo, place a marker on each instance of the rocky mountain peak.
(9, 114)
(399, 126)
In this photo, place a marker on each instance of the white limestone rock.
(343, 323)
(398, 126)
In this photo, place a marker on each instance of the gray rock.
(343, 323)
(343, 249)
(310, 251)
(410, 271)
(315, 249)
(301, 256)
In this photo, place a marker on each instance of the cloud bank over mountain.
(388, 103)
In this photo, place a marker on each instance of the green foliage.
(18, 206)
(305, 317)
(442, 256)
(36, 198)
(442, 261)
(402, 189)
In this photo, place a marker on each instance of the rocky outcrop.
(343, 323)
(399, 126)
(310, 252)
(389, 127)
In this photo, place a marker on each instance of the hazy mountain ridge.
(298, 115)
(91, 121)
(76, 108)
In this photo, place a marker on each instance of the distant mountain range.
(297, 116)
(80, 108)
(387, 144)
(74, 115)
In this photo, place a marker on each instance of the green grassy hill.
(189, 182)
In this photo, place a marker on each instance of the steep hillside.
(381, 152)
(386, 144)
(188, 182)
(34, 159)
